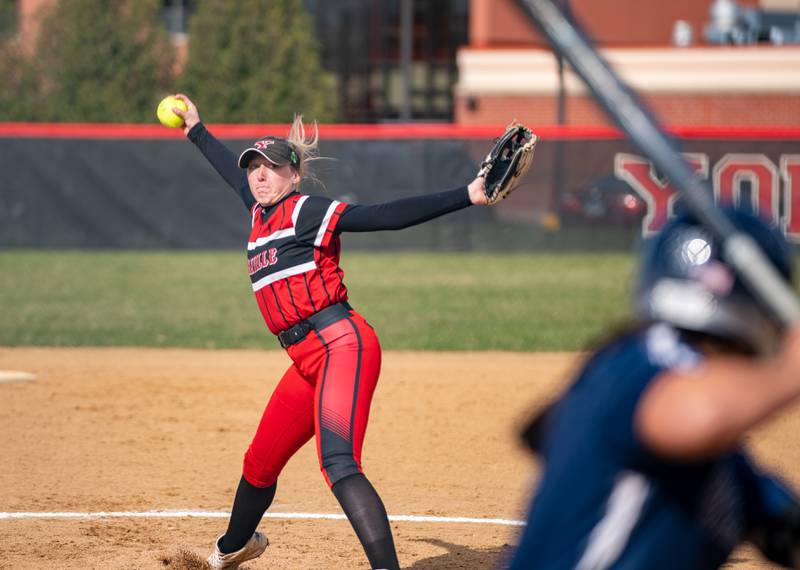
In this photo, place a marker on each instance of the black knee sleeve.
(249, 506)
(365, 511)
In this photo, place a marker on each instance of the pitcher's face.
(269, 183)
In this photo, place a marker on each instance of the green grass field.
(421, 301)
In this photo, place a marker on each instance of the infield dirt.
(152, 430)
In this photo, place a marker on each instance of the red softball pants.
(325, 393)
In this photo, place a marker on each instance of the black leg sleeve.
(249, 506)
(365, 511)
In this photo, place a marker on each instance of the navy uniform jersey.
(293, 258)
(606, 501)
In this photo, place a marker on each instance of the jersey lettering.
(264, 259)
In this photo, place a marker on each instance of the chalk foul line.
(172, 514)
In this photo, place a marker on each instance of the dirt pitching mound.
(184, 560)
(140, 432)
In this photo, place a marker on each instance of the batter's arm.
(705, 411)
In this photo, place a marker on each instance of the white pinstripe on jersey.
(611, 534)
(288, 272)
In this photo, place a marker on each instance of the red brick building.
(507, 70)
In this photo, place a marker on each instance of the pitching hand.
(190, 116)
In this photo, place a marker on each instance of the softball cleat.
(254, 548)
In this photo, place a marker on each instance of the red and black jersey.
(293, 258)
(294, 245)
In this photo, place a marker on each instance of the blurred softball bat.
(631, 114)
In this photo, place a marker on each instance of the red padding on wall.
(376, 131)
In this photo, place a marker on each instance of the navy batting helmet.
(685, 281)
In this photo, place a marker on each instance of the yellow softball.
(165, 113)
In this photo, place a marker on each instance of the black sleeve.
(772, 512)
(223, 161)
(402, 213)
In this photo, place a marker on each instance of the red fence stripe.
(377, 131)
(743, 132)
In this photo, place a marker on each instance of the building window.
(362, 44)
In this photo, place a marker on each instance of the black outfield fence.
(122, 186)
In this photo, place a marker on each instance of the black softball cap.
(277, 150)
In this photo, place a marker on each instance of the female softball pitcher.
(642, 456)
(293, 261)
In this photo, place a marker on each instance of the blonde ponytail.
(306, 147)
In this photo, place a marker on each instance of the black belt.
(317, 321)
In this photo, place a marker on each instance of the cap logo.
(261, 145)
(697, 251)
